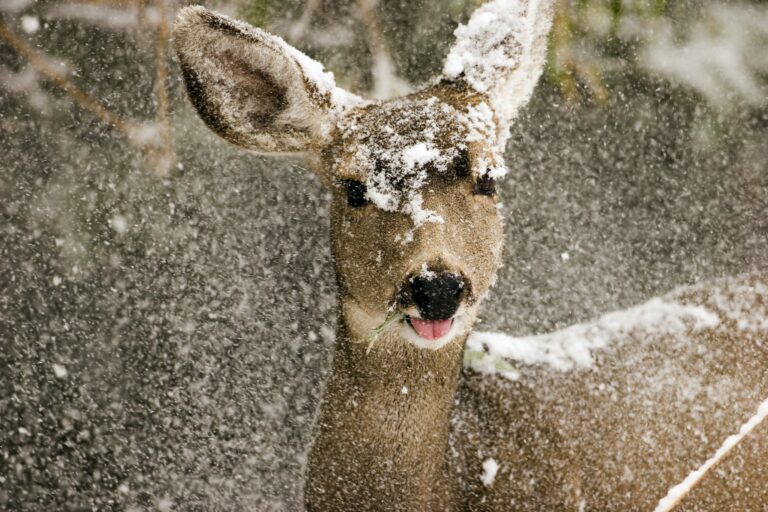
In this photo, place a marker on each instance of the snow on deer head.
(416, 233)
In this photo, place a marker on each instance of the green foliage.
(392, 317)
(255, 12)
(498, 364)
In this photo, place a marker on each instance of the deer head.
(416, 232)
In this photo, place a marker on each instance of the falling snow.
(168, 305)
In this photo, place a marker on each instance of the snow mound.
(573, 347)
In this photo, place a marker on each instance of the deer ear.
(252, 88)
(501, 53)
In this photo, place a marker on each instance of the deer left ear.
(501, 53)
(252, 88)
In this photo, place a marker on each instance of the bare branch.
(82, 98)
(677, 493)
(299, 29)
(162, 36)
(386, 83)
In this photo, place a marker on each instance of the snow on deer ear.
(501, 53)
(252, 88)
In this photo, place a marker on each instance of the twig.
(568, 68)
(561, 40)
(300, 27)
(82, 98)
(161, 93)
(380, 329)
(385, 80)
(677, 493)
(141, 21)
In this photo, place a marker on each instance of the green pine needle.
(392, 317)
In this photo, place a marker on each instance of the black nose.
(437, 296)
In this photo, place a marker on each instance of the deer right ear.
(501, 53)
(252, 88)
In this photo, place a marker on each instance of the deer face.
(416, 230)
(416, 233)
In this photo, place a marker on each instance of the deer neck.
(384, 425)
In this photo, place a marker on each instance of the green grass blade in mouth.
(377, 331)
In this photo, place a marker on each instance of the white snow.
(418, 155)
(722, 56)
(147, 133)
(481, 51)
(678, 492)
(30, 24)
(119, 224)
(164, 504)
(59, 370)
(427, 274)
(323, 80)
(418, 213)
(490, 468)
(501, 52)
(482, 127)
(574, 346)
(739, 304)
(397, 157)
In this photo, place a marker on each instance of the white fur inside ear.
(253, 88)
(501, 52)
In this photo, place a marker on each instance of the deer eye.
(356, 193)
(485, 185)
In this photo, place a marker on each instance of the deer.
(421, 414)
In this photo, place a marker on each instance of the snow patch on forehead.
(398, 146)
(419, 155)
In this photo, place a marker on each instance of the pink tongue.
(431, 329)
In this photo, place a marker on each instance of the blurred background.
(167, 306)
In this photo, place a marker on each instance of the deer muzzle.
(436, 296)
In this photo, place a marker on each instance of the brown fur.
(405, 428)
(620, 435)
(245, 86)
(613, 438)
(379, 448)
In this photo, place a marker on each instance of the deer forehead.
(413, 133)
(398, 147)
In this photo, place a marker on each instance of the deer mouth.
(431, 330)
